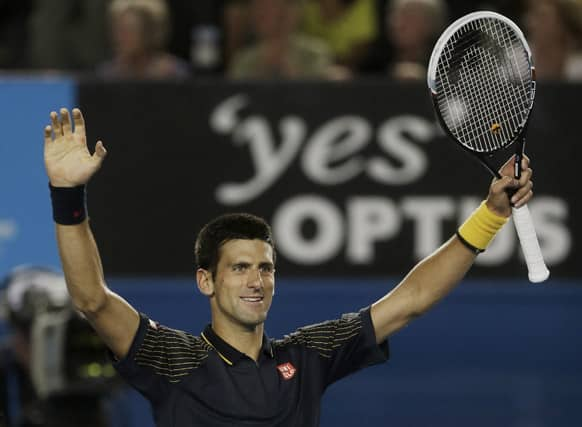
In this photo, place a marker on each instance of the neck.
(550, 60)
(331, 9)
(246, 340)
(410, 54)
(137, 62)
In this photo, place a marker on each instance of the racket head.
(482, 80)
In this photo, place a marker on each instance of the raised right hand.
(66, 156)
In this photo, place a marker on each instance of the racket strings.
(475, 55)
(515, 93)
(491, 105)
(485, 84)
(486, 106)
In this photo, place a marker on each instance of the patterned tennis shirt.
(203, 381)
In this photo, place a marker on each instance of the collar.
(228, 353)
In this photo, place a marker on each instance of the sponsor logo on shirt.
(287, 370)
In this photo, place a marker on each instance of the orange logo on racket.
(495, 127)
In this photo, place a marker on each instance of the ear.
(205, 282)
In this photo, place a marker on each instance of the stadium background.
(497, 351)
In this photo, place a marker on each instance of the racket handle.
(537, 270)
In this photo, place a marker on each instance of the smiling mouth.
(252, 299)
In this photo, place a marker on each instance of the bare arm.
(435, 276)
(69, 164)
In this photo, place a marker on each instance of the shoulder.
(245, 62)
(573, 68)
(166, 65)
(161, 336)
(324, 337)
(310, 44)
(170, 352)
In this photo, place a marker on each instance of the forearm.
(82, 266)
(435, 276)
(426, 284)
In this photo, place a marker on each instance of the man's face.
(272, 18)
(244, 283)
(410, 26)
(128, 35)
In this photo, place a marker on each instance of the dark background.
(157, 187)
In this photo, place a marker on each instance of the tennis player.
(232, 374)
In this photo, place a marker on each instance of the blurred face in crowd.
(410, 25)
(273, 18)
(544, 24)
(128, 32)
(242, 289)
(552, 28)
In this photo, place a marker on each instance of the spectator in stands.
(237, 27)
(554, 30)
(349, 27)
(77, 27)
(280, 51)
(139, 30)
(411, 29)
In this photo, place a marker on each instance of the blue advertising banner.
(26, 229)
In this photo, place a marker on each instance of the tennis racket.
(482, 80)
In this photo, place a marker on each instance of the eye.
(267, 268)
(241, 267)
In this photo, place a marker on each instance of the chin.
(253, 323)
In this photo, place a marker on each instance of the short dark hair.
(229, 227)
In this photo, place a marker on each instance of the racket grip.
(537, 270)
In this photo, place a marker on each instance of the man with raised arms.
(232, 373)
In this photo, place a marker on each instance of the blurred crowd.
(258, 39)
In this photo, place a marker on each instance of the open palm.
(66, 156)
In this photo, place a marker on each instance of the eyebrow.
(241, 263)
(247, 264)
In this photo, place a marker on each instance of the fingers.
(521, 190)
(508, 168)
(503, 185)
(524, 190)
(56, 124)
(79, 121)
(100, 152)
(62, 125)
(98, 156)
(66, 122)
(525, 164)
(48, 134)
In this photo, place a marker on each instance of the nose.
(255, 280)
